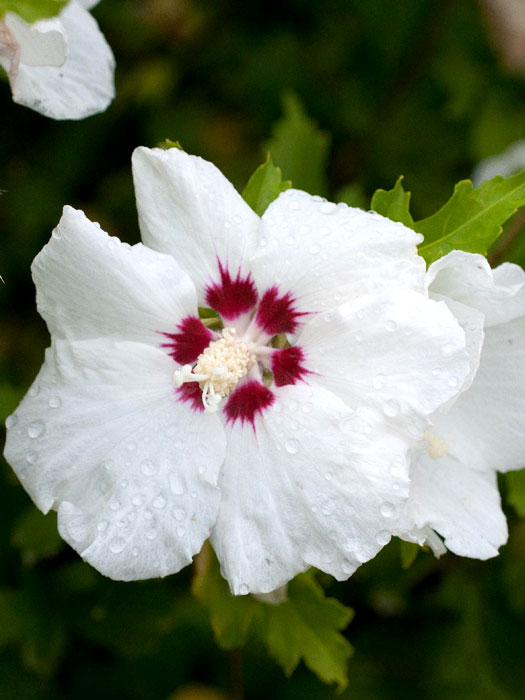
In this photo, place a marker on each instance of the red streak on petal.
(191, 340)
(249, 398)
(287, 366)
(192, 393)
(276, 314)
(231, 297)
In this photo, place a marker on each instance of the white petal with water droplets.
(189, 209)
(101, 438)
(314, 484)
(324, 253)
(398, 352)
(91, 285)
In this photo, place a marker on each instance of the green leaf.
(409, 552)
(168, 143)
(516, 490)
(394, 204)
(307, 626)
(32, 10)
(231, 616)
(300, 148)
(472, 219)
(36, 535)
(265, 185)
(352, 194)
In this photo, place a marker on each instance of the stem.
(237, 686)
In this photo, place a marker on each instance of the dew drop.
(387, 510)
(34, 390)
(292, 446)
(383, 537)
(181, 531)
(178, 513)
(328, 508)
(114, 505)
(391, 408)
(54, 402)
(314, 249)
(453, 382)
(159, 502)
(131, 446)
(102, 526)
(36, 429)
(324, 230)
(31, 457)
(237, 219)
(56, 234)
(11, 421)
(243, 589)
(379, 381)
(328, 208)
(117, 545)
(147, 467)
(151, 534)
(391, 326)
(134, 552)
(436, 371)
(347, 567)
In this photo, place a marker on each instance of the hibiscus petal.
(83, 85)
(42, 43)
(313, 484)
(467, 278)
(462, 505)
(324, 253)
(131, 470)
(400, 353)
(187, 208)
(485, 428)
(90, 285)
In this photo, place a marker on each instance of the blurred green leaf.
(32, 10)
(472, 219)
(10, 397)
(36, 535)
(300, 148)
(516, 490)
(265, 185)
(353, 195)
(307, 626)
(409, 552)
(394, 203)
(230, 616)
(168, 143)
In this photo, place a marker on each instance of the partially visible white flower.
(61, 67)
(285, 457)
(454, 488)
(506, 163)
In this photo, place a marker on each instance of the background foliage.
(346, 95)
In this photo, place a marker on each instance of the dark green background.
(409, 87)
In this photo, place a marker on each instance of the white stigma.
(219, 368)
(436, 446)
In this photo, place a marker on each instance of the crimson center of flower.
(219, 368)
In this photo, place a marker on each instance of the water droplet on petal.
(148, 467)
(11, 421)
(314, 249)
(55, 402)
(328, 208)
(102, 526)
(159, 502)
(34, 390)
(36, 429)
(328, 508)
(453, 382)
(131, 446)
(181, 531)
(391, 408)
(383, 537)
(138, 499)
(117, 545)
(243, 589)
(178, 513)
(31, 457)
(379, 381)
(134, 552)
(151, 534)
(387, 510)
(292, 446)
(391, 326)
(114, 505)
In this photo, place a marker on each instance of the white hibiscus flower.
(149, 432)
(454, 489)
(61, 67)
